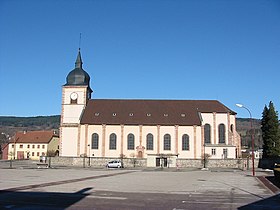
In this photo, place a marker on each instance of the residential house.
(33, 144)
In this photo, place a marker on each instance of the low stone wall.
(94, 162)
(225, 163)
(189, 163)
(243, 164)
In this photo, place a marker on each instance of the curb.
(268, 184)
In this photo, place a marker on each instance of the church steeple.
(78, 76)
(79, 63)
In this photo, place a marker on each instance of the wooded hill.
(10, 125)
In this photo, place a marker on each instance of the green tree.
(270, 132)
(264, 129)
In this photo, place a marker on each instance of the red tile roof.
(35, 137)
(149, 112)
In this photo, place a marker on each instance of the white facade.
(77, 139)
(195, 133)
(32, 149)
(72, 108)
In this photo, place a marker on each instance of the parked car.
(114, 164)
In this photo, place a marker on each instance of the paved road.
(31, 188)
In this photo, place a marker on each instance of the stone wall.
(225, 163)
(243, 164)
(189, 163)
(94, 162)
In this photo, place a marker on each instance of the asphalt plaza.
(91, 188)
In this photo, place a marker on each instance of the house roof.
(35, 137)
(149, 112)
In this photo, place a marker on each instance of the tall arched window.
(150, 141)
(231, 128)
(167, 142)
(113, 141)
(207, 134)
(185, 142)
(130, 141)
(222, 134)
(94, 141)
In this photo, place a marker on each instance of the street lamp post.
(252, 136)
(204, 157)
(89, 155)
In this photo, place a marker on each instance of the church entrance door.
(157, 162)
(161, 162)
(140, 154)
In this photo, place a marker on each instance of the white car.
(114, 164)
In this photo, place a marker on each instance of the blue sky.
(227, 50)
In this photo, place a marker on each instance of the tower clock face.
(74, 96)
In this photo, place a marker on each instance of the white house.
(33, 144)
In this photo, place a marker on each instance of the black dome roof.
(78, 76)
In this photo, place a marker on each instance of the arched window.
(113, 141)
(185, 142)
(94, 141)
(222, 134)
(130, 141)
(74, 101)
(231, 128)
(167, 142)
(150, 141)
(207, 134)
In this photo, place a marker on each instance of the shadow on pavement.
(40, 200)
(273, 181)
(265, 204)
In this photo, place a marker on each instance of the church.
(159, 131)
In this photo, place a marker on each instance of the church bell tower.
(75, 95)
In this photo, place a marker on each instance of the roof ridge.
(140, 99)
(149, 111)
